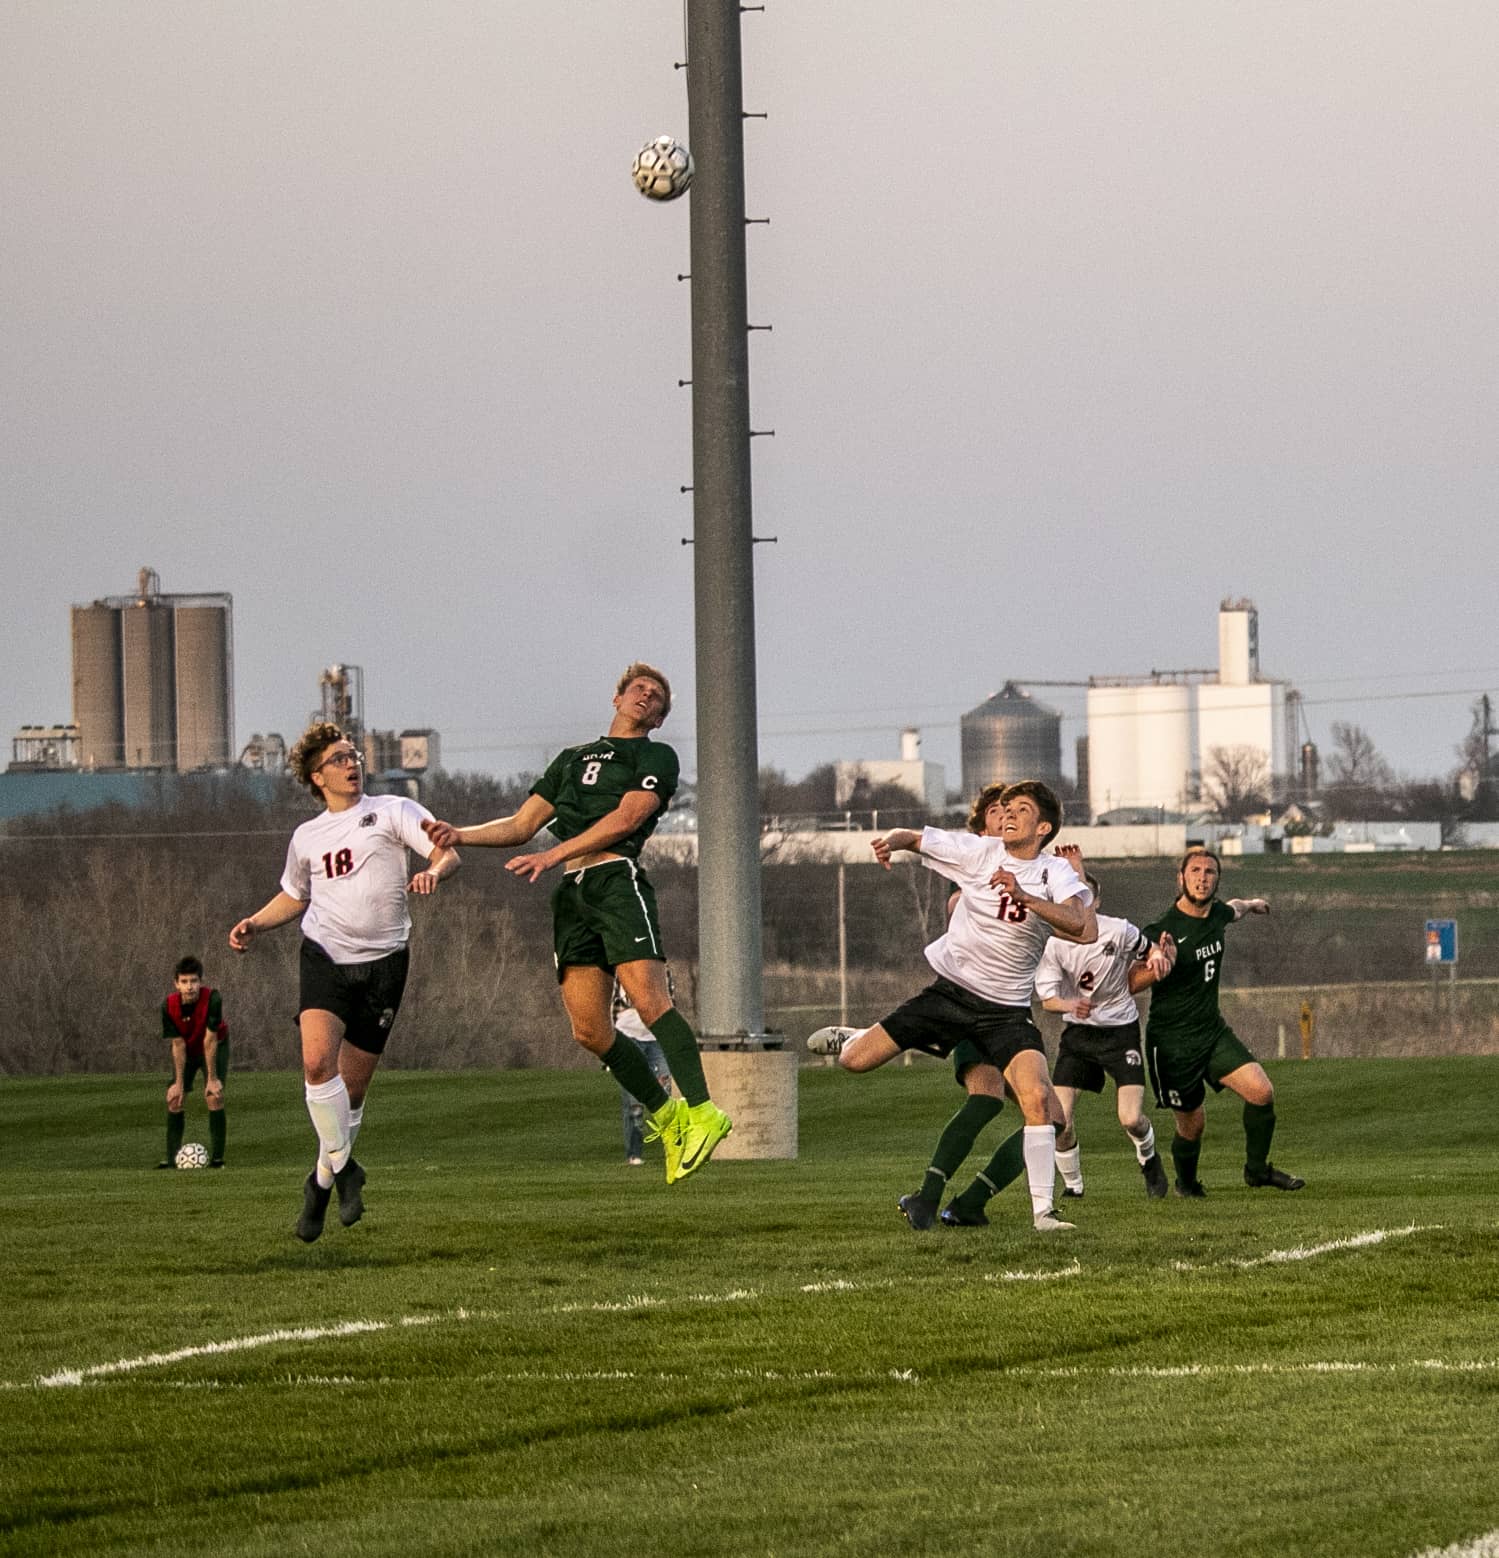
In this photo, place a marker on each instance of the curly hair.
(981, 804)
(315, 740)
(641, 668)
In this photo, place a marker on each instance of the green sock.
(632, 1071)
(679, 1044)
(176, 1124)
(1259, 1127)
(1004, 1168)
(217, 1130)
(956, 1142)
(1184, 1156)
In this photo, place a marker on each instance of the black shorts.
(944, 1014)
(197, 1061)
(1089, 1053)
(364, 996)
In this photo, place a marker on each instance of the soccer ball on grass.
(192, 1154)
(662, 169)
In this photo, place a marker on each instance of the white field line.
(1485, 1546)
(1221, 1370)
(154, 1360)
(646, 1301)
(1354, 1241)
(1074, 1270)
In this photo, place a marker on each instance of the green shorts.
(1182, 1071)
(603, 916)
(196, 1063)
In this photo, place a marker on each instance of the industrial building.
(1010, 736)
(1153, 742)
(1153, 739)
(153, 681)
(926, 782)
(386, 752)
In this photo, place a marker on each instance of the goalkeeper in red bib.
(192, 1022)
(602, 801)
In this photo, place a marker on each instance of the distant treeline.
(95, 909)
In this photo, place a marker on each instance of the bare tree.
(1236, 781)
(1356, 763)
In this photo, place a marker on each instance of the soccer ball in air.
(192, 1154)
(662, 169)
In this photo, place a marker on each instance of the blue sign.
(1441, 942)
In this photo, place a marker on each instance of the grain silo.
(204, 685)
(152, 679)
(150, 707)
(1008, 737)
(98, 708)
(1141, 737)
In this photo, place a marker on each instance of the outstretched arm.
(1243, 906)
(281, 910)
(503, 833)
(893, 842)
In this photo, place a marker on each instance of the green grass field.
(527, 1347)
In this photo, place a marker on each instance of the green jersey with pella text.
(585, 783)
(1184, 1005)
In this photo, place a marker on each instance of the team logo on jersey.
(367, 821)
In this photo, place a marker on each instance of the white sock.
(328, 1104)
(1039, 1144)
(324, 1166)
(1145, 1145)
(1070, 1167)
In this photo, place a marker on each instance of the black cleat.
(215, 1163)
(166, 1163)
(1273, 1179)
(314, 1209)
(955, 1216)
(919, 1213)
(1191, 1190)
(1155, 1177)
(1069, 1194)
(349, 1181)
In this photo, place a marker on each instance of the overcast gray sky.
(1085, 316)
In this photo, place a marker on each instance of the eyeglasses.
(341, 760)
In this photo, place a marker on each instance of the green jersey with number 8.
(1185, 1002)
(587, 782)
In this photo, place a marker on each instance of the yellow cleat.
(667, 1126)
(703, 1127)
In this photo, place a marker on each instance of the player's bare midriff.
(597, 857)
